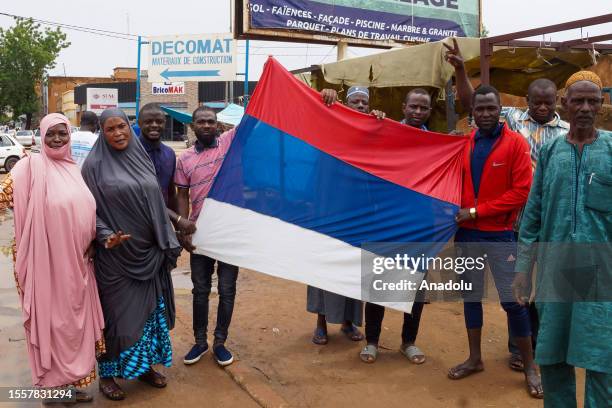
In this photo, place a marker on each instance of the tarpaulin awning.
(419, 65)
(512, 69)
(215, 105)
(231, 115)
(390, 75)
(179, 115)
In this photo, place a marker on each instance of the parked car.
(10, 152)
(26, 138)
(37, 137)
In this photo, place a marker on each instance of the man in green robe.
(569, 217)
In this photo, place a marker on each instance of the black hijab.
(134, 275)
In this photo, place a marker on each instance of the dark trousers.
(535, 326)
(499, 250)
(374, 315)
(202, 269)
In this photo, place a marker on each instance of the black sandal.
(154, 379)
(112, 391)
(515, 362)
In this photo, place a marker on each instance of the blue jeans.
(500, 251)
(202, 268)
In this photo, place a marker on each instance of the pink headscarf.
(55, 222)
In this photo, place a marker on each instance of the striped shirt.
(81, 143)
(520, 121)
(197, 168)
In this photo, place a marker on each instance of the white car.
(25, 137)
(37, 137)
(10, 152)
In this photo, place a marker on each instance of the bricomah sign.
(356, 21)
(168, 88)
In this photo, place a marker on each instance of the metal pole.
(341, 51)
(138, 79)
(246, 76)
(486, 49)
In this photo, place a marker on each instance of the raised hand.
(453, 55)
(116, 239)
(379, 114)
(329, 96)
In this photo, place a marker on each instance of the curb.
(250, 381)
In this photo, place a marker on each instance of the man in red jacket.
(496, 182)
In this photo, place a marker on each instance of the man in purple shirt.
(152, 122)
(196, 171)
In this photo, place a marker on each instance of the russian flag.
(304, 186)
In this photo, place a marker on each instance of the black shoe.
(195, 354)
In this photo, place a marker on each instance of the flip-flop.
(320, 337)
(369, 353)
(413, 352)
(154, 379)
(112, 391)
(515, 362)
(352, 333)
(457, 373)
(82, 396)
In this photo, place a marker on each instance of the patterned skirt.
(152, 348)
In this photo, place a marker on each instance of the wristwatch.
(473, 213)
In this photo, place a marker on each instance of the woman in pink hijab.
(55, 224)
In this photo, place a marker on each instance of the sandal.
(515, 362)
(154, 379)
(461, 371)
(320, 337)
(369, 353)
(112, 391)
(82, 396)
(352, 333)
(414, 354)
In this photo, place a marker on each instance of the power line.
(95, 31)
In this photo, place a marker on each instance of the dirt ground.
(277, 365)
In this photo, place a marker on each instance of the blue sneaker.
(223, 355)
(195, 354)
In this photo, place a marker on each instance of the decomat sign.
(361, 21)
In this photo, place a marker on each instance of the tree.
(484, 32)
(26, 53)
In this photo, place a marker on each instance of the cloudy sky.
(93, 55)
